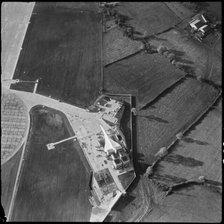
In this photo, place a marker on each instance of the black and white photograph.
(111, 112)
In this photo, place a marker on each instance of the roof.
(197, 24)
(109, 143)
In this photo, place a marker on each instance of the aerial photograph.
(111, 112)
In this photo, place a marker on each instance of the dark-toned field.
(53, 184)
(62, 47)
(141, 75)
(173, 112)
(152, 17)
(8, 177)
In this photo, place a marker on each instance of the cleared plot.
(62, 47)
(141, 75)
(152, 17)
(198, 153)
(172, 113)
(117, 46)
(8, 177)
(15, 17)
(191, 204)
(53, 184)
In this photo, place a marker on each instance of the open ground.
(152, 17)
(62, 47)
(157, 125)
(172, 113)
(198, 153)
(9, 171)
(141, 75)
(204, 59)
(117, 46)
(51, 186)
(15, 19)
(190, 204)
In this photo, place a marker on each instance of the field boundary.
(187, 129)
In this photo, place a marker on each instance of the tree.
(162, 152)
(161, 49)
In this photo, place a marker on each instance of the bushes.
(161, 49)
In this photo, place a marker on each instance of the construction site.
(111, 112)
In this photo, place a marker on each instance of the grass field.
(117, 46)
(62, 47)
(191, 204)
(198, 153)
(152, 17)
(173, 112)
(180, 10)
(141, 75)
(51, 187)
(8, 177)
(200, 56)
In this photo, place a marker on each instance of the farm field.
(14, 21)
(152, 17)
(195, 203)
(90, 6)
(8, 177)
(180, 10)
(51, 186)
(173, 112)
(141, 75)
(62, 47)
(198, 153)
(117, 46)
(206, 61)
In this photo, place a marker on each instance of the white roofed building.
(110, 146)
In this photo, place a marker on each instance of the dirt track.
(62, 47)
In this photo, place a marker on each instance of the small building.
(200, 26)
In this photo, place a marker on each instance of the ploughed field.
(62, 47)
(143, 75)
(53, 184)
